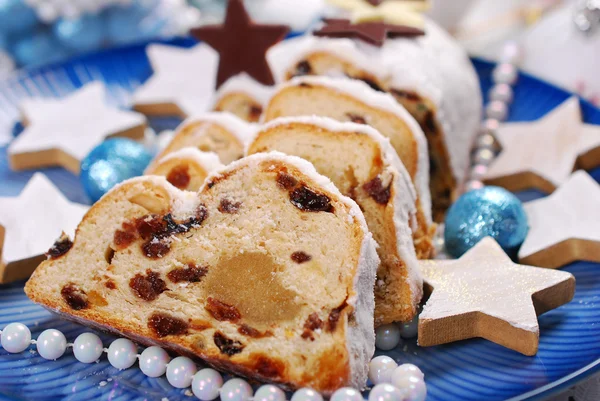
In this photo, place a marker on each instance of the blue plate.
(469, 370)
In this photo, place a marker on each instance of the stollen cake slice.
(221, 133)
(242, 96)
(186, 168)
(346, 99)
(364, 166)
(266, 272)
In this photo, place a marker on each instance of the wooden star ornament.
(484, 294)
(565, 226)
(29, 225)
(61, 132)
(539, 154)
(242, 44)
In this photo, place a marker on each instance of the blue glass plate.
(472, 370)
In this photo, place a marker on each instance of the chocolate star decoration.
(371, 32)
(241, 44)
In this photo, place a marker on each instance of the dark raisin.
(313, 322)
(110, 285)
(221, 311)
(303, 68)
(372, 84)
(334, 316)
(355, 118)
(201, 214)
(268, 367)
(227, 206)
(75, 297)
(246, 330)
(429, 123)
(286, 181)
(148, 287)
(191, 274)
(156, 248)
(409, 95)
(377, 191)
(166, 325)
(147, 226)
(226, 345)
(309, 201)
(179, 176)
(60, 247)
(122, 239)
(254, 113)
(300, 257)
(210, 184)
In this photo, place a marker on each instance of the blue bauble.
(3, 42)
(16, 17)
(133, 23)
(80, 34)
(112, 162)
(38, 48)
(486, 212)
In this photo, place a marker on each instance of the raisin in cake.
(221, 133)
(266, 272)
(350, 100)
(186, 168)
(430, 75)
(242, 96)
(364, 166)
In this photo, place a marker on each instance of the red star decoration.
(241, 44)
(371, 32)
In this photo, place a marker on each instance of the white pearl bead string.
(390, 381)
(500, 96)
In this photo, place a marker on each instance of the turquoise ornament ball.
(16, 17)
(111, 162)
(486, 212)
(81, 34)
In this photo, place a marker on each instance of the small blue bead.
(80, 34)
(16, 17)
(489, 211)
(38, 48)
(113, 161)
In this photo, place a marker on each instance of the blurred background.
(560, 39)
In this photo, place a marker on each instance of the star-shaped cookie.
(183, 83)
(29, 225)
(371, 32)
(539, 154)
(484, 294)
(242, 44)
(61, 132)
(565, 226)
(589, 150)
(394, 12)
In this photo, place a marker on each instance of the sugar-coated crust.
(236, 126)
(433, 65)
(243, 83)
(361, 91)
(347, 368)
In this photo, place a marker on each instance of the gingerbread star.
(242, 44)
(61, 132)
(183, 81)
(484, 294)
(539, 154)
(371, 32)
(29, 225)
(565, 226)
(589, 151)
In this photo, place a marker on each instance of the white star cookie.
(183, 83)
(539, 154)
(61, 132)
(29, 225)
(484, 294)
(565, 226)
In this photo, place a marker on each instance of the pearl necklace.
(391, 382)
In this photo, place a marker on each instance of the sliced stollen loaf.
(221, 133)
(186, 168)
(364, 166)
(267, 272)
(242, 96)
(350, 100)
